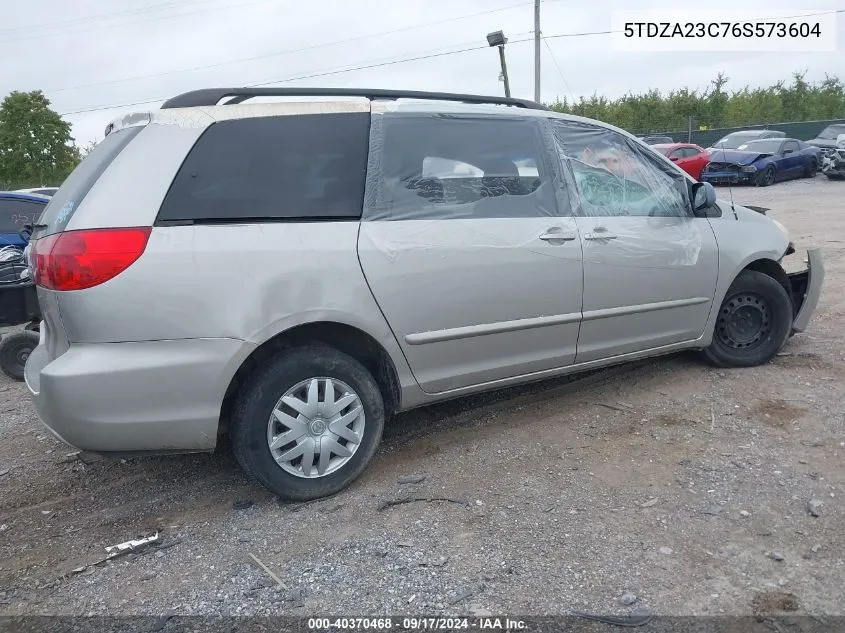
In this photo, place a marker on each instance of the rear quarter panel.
(248, 282)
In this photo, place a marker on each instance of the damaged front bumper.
(727, 177)
(806, 287)
(833, 164)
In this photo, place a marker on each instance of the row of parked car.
(759, 157)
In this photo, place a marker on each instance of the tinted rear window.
(66, 200)
(273, 168)
(14, 214)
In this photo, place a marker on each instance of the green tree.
(36, 148)
(652, 111)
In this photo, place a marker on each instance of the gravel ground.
(665, 486)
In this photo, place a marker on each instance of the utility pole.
(537, 35)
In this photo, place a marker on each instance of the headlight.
(749, 169)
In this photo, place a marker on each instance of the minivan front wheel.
(754, 322)
(308, 423)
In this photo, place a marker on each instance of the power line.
(289, 51)
(554, 59)
(150, 19)
(300, 77)
(389, 63)
(101, 16)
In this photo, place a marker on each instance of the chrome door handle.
(600, 233)
(556, 234)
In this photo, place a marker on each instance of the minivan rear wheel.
(308, 423)
(754, 322)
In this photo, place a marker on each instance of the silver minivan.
(296, 272)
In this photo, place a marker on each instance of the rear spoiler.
(761, 210)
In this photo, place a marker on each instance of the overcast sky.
(93, 53)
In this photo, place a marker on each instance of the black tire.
(262, 390)
(15, 350)
(754, 322)
(811, 168)
(765, 177)
(835, 176)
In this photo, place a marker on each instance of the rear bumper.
(806, 289)
(155, 396)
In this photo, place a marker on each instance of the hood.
(734, 156)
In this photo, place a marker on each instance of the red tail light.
(75, 260)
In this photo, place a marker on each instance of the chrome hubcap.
(316, 427)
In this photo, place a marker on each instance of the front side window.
(791, 146)
(614, 177)
(273, 168)
(453, 167)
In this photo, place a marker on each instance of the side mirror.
(674, 159)
(703, 196)
(787, 151)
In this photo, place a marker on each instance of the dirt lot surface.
(685, 486)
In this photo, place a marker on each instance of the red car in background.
(688, 156)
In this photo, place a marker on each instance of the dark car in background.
(735, 139)
(16, 211)
(762, 162)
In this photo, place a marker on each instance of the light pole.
(537, 36)
(498, 39)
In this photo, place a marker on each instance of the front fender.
(750, 237)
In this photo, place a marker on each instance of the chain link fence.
(802, 130)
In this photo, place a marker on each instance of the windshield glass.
(733, 141)
(764, 146)
(832, 131)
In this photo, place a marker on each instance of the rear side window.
(66, 200)
(308, 167)
(15, 214)
(461, 167)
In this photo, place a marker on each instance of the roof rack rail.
(213, 96)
